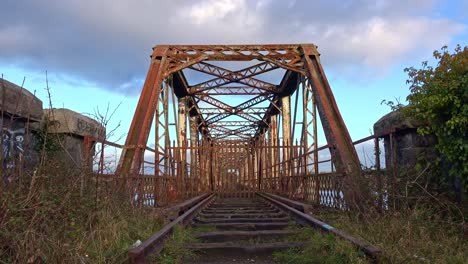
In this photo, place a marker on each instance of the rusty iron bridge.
(239, 121)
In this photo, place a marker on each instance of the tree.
(439, 98)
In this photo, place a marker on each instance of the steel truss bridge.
(237, 122)
(223, 121)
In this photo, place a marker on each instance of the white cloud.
(381, 42)
(211, 10)
(368, 49)
(108, 42)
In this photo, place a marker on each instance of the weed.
(321, 248)
(414, 235)
(55, 211)
(174, 249)
(57, 224)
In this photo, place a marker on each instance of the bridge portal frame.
(301, 62)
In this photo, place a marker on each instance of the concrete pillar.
(182, 141)
(182, 129)
(286, 111)
(286, 108)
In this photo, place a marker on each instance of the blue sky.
(97, 52)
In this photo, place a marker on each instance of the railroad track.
(239, 230)
(244, 229)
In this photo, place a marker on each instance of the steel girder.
(297, 60)
(226, 76)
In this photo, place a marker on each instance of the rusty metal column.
(341, 147)
(261, 160)
(250, 163)
(131, 158)
(305, 140)
(286, 113)
(269, 155)
(193, 122)
(246, 174)
(209, 165)
(315, 146)
(274, 154)
(255, 166)
(157, 168)
(310, 142)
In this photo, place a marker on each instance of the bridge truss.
(228, 129)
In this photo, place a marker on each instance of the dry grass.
(48, 215)
(57, 225)
(418, 235)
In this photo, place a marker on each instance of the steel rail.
(155, 243)
(285, 204)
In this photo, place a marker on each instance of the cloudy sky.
(97, 52)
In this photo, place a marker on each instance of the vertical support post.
(182, 140)
(177, 175)
(216, 166)
(310, 141)
(157, 169)
(305, 139)
(255, 168)
(394, 169)
(246, 171)
(205, 152)
(269, 164)
(131, 158)
(314, 125)
(273, 141)
(261, 166)
(250, 163)
(286, 114)
(193, 150)
(210, 167)
(266, 167)
(344, 155)
(379, 175)
(163, 181)
(315, 147)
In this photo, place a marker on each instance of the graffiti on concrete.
(13, 137)
(13, 143)
(84, 126)
(88, 128)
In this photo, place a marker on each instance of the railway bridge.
(237, 122)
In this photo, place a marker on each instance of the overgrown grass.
(321, 248)
(174, 249)
(50, 222)
(417, 235)
(54, 210)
